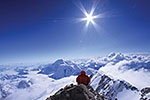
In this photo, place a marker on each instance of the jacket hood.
(82, 72)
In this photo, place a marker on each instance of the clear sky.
(40, 30)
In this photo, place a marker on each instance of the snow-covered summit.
(60, 69)
(59, 61)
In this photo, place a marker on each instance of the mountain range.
(117, 75)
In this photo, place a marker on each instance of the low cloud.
(139, 78)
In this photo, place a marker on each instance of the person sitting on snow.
(83, 78)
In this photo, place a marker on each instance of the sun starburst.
(89, 17)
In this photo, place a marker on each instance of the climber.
(83, 78)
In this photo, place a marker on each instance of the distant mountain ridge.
(64, 68)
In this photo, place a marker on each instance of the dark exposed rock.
(144, 93)
(23, 84)
(109, 88)
(77, 92)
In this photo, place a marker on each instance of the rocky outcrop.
(109, 87)
(145, 93)
(76, 92)
(23, 84)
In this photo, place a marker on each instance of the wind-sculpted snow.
(114, 76)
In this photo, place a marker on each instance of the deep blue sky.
(41, 30)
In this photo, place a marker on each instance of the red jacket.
(83, 78)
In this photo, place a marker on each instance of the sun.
(89, 17)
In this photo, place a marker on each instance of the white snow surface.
(128, 95)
